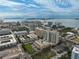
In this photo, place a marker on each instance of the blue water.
(68, 22)
(65, 22)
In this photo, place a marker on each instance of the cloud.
(52, 6)
(15, 5)
(38, 8)
(12, 5)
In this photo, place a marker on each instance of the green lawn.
(28, 48)
(67, 29)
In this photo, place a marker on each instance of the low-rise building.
(74, 39)
(12, 53)
(7, 38)
(39, 44)
(32, 37)
(20, 33)
(9, 49)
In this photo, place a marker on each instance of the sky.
(39, 8)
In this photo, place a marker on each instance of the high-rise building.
(75, 52)
(51, 36)
(39, 32)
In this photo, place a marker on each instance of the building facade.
(39, 32)
(7, 38)
(75, 52)
(51, 36)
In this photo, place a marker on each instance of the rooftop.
(6, 37)
(32, 35)
(76, 49)
(20, 32)
(5, 32)
(41, 44)
(10, 53)
(75, 39)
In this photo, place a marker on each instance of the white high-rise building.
(51, 36)
(75, 52)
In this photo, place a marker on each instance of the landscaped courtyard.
(45, 54)
(28, 48)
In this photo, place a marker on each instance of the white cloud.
(50, 5)
(15, 5)
(10, 4)
(45, 3)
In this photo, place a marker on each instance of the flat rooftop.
(76, 49)
(32, 35)
(11, 53)
(6, 37)
(75, 39)
(41, 44)
(5, 32)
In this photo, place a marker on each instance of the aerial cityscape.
(39, 29)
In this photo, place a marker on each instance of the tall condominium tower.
(75, 52)
(51, 36)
